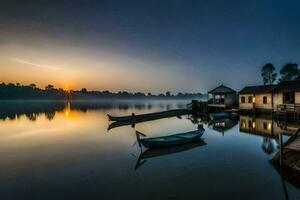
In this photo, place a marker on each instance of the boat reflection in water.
(163, 151)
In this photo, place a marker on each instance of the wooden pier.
(205, 107)
(286, 161)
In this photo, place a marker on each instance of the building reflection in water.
(223, 125)
(266, 126)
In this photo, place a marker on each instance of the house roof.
(258, 89)
(286, 86)
(222, 89)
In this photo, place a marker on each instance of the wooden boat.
(219, 115)
(170, 140)
(150, 116)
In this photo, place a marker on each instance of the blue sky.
(155, 46)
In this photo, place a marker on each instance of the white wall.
(297, 97)
(259, 103)
(246, 105)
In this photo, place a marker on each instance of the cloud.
(35, 64)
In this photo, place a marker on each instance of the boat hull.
(150, 116)
(172, 140)
(221, 115)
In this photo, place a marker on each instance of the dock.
(205, 107)
(287, 160)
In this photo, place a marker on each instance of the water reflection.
(157, 152)
(267, 126)
(67, 150)
(223, 125)
(12, 110)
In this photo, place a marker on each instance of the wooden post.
(281, 148)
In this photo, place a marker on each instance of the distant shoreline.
(18, 92)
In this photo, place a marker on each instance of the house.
(287, 93)
(271, 97)
(256, 97)
(222, 97)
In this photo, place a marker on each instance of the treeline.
(288, 72)
(17, 91)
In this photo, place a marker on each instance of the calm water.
(60, 151)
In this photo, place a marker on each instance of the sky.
(146, 46)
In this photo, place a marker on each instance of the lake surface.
(56, 150)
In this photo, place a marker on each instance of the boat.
(219, 115)
(170, 140)
(150, 116)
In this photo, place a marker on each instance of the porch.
(288, 111)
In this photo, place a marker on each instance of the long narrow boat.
(150, 116)
(170, 140)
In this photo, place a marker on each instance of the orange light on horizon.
(67, 88)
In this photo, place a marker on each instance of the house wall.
(246, 105)
(259, 103)
(277, 100)
(297, 97)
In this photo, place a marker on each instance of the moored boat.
(219, 115)
(170, 140)
(150, 116)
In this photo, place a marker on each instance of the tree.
(268, 74)
(289, 72)
(49, 87)
(32, 85)
(84, 90)
(168, 93)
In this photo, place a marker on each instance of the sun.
(67, 88)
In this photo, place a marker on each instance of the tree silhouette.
(268, 74)
(32, 85)
(11, 91)
(49, 87)
(289, 72)
(84, 90)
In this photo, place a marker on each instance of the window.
(265, 125)
(265, 100)
(289, 97)
(243, 100)
(250, 99)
